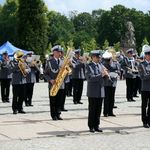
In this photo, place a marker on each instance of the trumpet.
(36, 64)
(34, 61)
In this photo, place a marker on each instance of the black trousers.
(109, 100)
(77, 89)
(95, 106)
(18, 96)
(5, 88)
(62, 98)
(69, 88)
(129, 88)
(145, 107)
(28, 93)
(137, 86)
(55, 105)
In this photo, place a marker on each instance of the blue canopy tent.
(10, 49)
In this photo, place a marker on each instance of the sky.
(64, 6)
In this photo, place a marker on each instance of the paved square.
(36, 131)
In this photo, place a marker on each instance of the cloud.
(65, 6)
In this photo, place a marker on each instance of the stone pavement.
(36, 131)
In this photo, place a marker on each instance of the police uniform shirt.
(78, 71)
(94, 76)
(144, 71)
(5, 71)
(126, 64)
(17, 77)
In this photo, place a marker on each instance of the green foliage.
(29, 25)
(8, 22)
(105, 45)
(60, 28)
(88, 46)
(117, 46)
(48, 50)
(145, 41)
(33, 26)
(85, 29)
(70, 44)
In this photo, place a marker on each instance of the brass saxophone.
(63, 72)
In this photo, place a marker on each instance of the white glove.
(28, 70)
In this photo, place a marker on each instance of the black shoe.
(112, 115)
(75, 102)
(15, 112)
(135, 96)
(132, 100)
(64, 110)
(79, 103)
(115, 107)
(27, 104)
(92, 130)
(98, 130)
(145, 125)
(129, 100)
(55, 118)
(105, 115)
(21, 112)
(30, 105)
(59, 118)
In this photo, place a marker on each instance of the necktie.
(97, 69)
(57, 61)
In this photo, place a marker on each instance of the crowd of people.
(100, 70)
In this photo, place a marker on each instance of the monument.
(128, 41)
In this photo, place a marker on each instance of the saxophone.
(63, 72)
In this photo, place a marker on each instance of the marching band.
(101, 74)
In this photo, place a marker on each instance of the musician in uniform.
(110, 83)
(128, 64)
(137, 80)
(63, 87)
(50, 73)
(5, 77)
(18, 82)
(95, 73)
(31, 79)
(144, 71)
(78, 76)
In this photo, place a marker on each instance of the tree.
(48, 50)
(145, 41)
(8, 22)
(104, 28)
(117, 46)
(85, 22)
(106, 44)
(79, 37)
(61, 28)
(33, 26)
